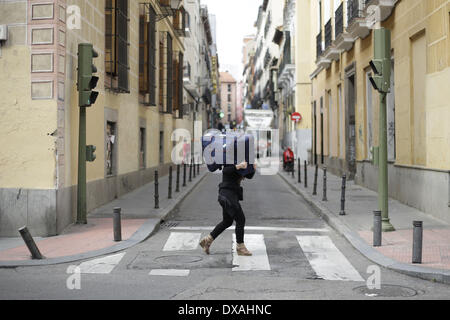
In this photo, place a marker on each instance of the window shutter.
(152, 56)
(122, 43)
(169, 74)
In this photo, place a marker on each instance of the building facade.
(293, 81)
(140, 69)
(345, 107)
(228, 97)
(197, 67)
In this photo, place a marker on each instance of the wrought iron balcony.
(328, 34)
(358, 27)
(355, 10)
(339, 21)
(319, 45)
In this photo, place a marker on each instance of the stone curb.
(426, 273)
(150, 227)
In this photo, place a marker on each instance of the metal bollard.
(170, 183)
(417, 242)
(190, 172)
(156, 190)
(306, 175)
(177, 188)
(117, 224)
(299, 171)
(377, 228)
(316, 173)
(344, 179)
(31, 245)
(184, 175)
(193, 168)
(324, 198)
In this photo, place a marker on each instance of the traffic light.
(222, 115)
(86, 81)
(90, 153)
(381, 64)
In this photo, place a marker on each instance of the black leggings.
(228, 221)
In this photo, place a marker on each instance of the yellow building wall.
(28, 156)
(127, 105)
(410, 19)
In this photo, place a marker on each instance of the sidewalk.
(396, 250)
(77, 242)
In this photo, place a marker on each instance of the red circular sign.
(296, 116)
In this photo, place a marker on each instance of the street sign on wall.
(296, 116)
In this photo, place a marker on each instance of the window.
(229, 98)
(341, 116)
(178, 84)
(229, 117)
(369, 115)
(229, 88)
(110, 148)
(330, 125)
(229, 107)
(116, 45)
(147, 54)
(161, 75)
(170, 70)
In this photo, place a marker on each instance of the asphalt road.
(297, 256)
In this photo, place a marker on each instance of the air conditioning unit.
(3, 32)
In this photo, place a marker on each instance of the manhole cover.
(178, 259)
(387, 291)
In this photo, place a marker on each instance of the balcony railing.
(355, 9)
(339, 20)
(328, 34)
(319, 44)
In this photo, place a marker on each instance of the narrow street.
(296, 256)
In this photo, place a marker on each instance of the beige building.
(295, 65)
(140, 66)
(345, 106)
(228, 97)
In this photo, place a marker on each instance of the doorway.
(350, 121)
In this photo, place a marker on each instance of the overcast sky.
(235, 20)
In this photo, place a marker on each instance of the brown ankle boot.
(206, 242)
(242, 250)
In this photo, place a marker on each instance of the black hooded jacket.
(230, 190)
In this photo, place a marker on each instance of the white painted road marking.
(258, 261)
(182, 241)
(101, 265)
(326, 260)
(256, 229)
(169, 272)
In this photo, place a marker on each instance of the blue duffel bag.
(218, 141)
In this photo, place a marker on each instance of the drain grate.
(387, 291)
(168, 224)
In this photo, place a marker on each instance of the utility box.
(3, 32)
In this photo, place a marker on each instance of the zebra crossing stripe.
(254, 228)
(326, 260)
(101, 265)
(259, 261)
(182, 241)
(169, 272)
